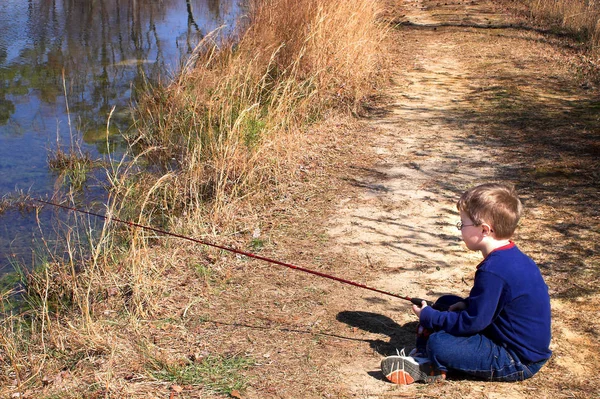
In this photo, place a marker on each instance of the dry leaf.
(235, 394)
(176, 388)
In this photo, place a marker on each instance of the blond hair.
(495, 204)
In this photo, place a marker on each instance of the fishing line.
(416, 301)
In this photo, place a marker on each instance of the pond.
(64, 66)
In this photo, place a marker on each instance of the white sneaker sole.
(405, 370)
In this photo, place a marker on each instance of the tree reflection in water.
(104, 49)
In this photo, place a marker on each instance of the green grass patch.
(204, 272)
(257, 244)
(11, 281)
(253, 129)
(73, 165)
(221, 374)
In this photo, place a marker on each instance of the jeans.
(475, 355)
(478, 356)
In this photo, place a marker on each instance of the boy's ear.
(487, 229)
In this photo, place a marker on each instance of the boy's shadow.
(400, 336)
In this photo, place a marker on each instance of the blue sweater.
(509, 303)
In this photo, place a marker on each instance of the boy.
(501, 332)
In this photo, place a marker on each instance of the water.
(96, 52)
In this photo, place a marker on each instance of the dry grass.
(580, 17)
(231, 122)
(19, 201)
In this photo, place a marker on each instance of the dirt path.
(477, 97)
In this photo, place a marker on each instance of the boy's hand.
(417, 310)
(457, 307)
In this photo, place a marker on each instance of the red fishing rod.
(416, 301)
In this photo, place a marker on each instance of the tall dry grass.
(211, 145)
(225, 128)
(580, 17)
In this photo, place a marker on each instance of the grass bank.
(236, 114)
(210, 153)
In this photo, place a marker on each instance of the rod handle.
(417, 301)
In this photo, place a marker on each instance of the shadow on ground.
(401, 336)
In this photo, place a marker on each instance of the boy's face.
(472, 235)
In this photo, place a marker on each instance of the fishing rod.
(415, 301)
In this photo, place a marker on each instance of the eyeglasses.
(460, 225)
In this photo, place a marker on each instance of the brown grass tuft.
(579, 17)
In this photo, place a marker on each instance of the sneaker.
(405, 370)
